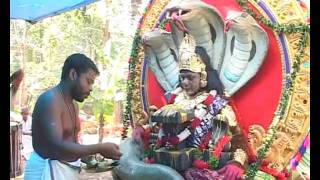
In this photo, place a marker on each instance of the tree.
(103, 30)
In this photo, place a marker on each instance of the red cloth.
(231, 171)
(155, 92)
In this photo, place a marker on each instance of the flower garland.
(254, 167)
(303, 29)
(196, 121)
(163, 23)
(283, 175)
(214, 159)
(132, 73)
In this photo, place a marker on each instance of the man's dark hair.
(15, 80)
(80, 62)
(213, 79)
(17, 76)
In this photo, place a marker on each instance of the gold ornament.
(191, 61)
(240, 156)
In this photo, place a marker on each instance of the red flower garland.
(222, 142)
(209, 100)
(146, 137)
(200, 164)
(205, 141)
(150, 161)
(196, 122)
(172, 98)
(279, 175)
(159, 143)
(173, 140)
(252, 157)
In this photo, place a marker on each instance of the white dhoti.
(38, 168)
(27, 146)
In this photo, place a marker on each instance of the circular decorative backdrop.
(277, 98)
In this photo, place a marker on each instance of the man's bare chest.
(70, 125)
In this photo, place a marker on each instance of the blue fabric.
(218, 103)
(206, 123)
(35, 10)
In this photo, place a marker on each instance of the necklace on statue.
(186, 102)
(72, 114)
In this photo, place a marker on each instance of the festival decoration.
(298, 35)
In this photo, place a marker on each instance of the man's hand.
(110, 151)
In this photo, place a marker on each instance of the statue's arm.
(239, 144)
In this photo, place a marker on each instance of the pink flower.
(172, 98)
(159, 143)
(209, 100)
(150, 161)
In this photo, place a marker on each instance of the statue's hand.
(232, 171)
(227, 114)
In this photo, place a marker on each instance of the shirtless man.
(55, 124)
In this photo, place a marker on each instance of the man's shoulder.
(46, 98)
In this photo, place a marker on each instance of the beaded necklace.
(72, 115)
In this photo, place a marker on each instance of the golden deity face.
(189, 61)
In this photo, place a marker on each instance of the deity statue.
(200, 62)
(198, 119)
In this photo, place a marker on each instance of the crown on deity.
(189, 60)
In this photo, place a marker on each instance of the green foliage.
(41, 49)
(151, 151)
(163, 23)
(197, 154)
(100, 104)
(214, 162)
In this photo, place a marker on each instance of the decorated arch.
(276, 98)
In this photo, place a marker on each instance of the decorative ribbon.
(295, 161)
